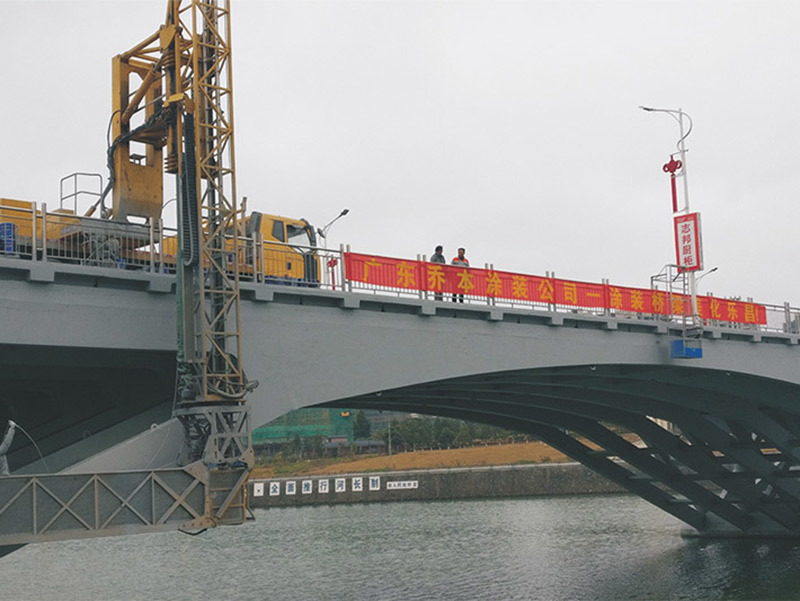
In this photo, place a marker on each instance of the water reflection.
(599, 547)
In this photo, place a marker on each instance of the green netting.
(307, 423)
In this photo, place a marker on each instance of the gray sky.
(510, 128)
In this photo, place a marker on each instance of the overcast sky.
(510, 128)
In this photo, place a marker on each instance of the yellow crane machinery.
(173, 113)
(177, 79)
(185, 91)
(191, 75)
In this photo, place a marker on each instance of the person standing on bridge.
(460, 261)
(438, 257)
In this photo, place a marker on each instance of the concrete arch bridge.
(88, 362)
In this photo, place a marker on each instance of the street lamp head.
(646, 108)
(323, 231)
(710, 271)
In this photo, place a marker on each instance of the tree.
(465, 435)
(362, 429)
(318, 445)
(444, 431)
(295, 448)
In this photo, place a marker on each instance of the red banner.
(433, 277)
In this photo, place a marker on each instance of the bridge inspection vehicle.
(172, 113)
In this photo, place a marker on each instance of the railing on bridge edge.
(31, 233)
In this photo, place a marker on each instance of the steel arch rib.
(565, 412)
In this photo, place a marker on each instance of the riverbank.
(429, 485)
(479, 456)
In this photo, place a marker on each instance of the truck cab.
(288, 248)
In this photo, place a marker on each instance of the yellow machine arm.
(179, 119)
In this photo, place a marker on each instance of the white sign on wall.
(402, 484)
(374, 482)
(340, 485)
(258, 489)
(323, 486)
(308, 487)
(274, 489)
(291, 487)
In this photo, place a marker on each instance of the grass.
(503, 454)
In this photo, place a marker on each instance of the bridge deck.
(81, 345)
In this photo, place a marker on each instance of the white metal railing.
(30, 232)
(780, 318)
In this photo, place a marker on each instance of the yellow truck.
(277, 249)
(282, 250)
(288, 248)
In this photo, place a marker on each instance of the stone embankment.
(430, 485)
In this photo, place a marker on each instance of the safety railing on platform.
(30, 232)
(18, 225)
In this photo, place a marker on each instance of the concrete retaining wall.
(428, 485)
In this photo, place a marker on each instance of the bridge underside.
(728, 462)
(77, 401)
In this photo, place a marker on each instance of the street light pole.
(323, 231)
(679, 115)
(323, 234)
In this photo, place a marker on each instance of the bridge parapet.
(29, 233)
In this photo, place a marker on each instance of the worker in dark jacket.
(438, 257)
(460, 261)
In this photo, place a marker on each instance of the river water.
(580, 547)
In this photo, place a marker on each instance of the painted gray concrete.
(308, 346)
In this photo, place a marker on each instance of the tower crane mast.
(172, 113)
(186, 96)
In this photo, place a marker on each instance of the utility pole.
(679, 116)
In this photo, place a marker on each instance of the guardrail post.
(426, 294)
(422, 294)
(490, 300)
(787, 318)
(261, 258)
(346, 284)
(160, 245)
(44, 231)
(152, 248)
(34, 236)
(254, 256)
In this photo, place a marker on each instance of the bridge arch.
(722, 463)
(730, 463)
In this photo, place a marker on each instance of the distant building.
(335, 425)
